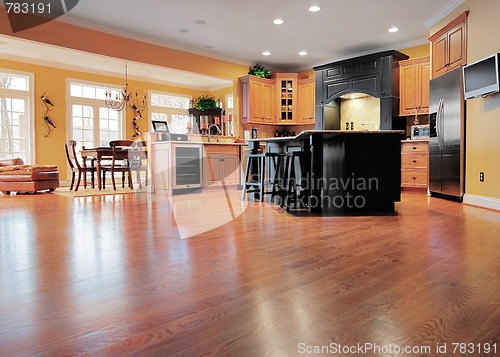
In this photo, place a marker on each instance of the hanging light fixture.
(125, 98)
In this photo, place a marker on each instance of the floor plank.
(145, 275)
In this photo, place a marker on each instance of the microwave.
(419, 132)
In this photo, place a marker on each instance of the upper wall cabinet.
(256, 96)
(285, 99)
(449, 46)
(414, 86)
(306, 100)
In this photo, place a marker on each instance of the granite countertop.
(306, 133)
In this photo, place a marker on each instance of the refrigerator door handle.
(441, 122)
(438, 123)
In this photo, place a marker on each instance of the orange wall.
(417, 51)
(52, 82)
(483, 114)
(79, 38)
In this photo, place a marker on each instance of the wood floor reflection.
(111, 276)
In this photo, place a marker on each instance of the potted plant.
(259, 71)
(205, 102)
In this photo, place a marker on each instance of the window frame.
(70, 100)
(169, 111)
(29, 96)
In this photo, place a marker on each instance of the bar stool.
(261, 184)
(279, 169)
(289, 193)
(254, 185)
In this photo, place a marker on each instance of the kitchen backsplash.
(363, 112)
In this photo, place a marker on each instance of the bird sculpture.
(48, 121)
(46, 100)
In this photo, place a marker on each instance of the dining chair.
(139, 160)
(76, 167)
(119, 163)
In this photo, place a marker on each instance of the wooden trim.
(416, 60)
(460, 19)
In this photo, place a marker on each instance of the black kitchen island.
(349, 171)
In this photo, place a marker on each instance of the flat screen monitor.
(481, 78)
(160, 126)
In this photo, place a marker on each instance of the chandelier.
(125, 98)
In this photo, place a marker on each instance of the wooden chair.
(119, 163)
(139, 160)
(75, 166)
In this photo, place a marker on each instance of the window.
(92, 124)
(172, 108)
(17, 137)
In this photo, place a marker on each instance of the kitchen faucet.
(216, 127)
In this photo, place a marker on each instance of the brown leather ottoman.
(28, 178)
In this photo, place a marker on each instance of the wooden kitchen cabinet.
(449, 46)
(415, 164)
(221, 165)
(414, 86)
(256, 99)
(286, 86)
(306, 100)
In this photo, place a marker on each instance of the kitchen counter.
(350, 171)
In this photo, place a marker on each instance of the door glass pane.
(14, 133)
(83, 125)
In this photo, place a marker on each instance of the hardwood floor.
(112, 276)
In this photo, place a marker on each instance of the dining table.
(97, 154)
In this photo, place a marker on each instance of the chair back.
(70, 147)
(138, 155)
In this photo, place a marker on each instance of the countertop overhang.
(331, 133)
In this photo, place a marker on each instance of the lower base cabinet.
(221, 165)
(415, 164)
(177, 167)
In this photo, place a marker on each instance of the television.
(481, 78)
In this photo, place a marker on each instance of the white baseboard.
(481, 201)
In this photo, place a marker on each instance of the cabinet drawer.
(232, 150)
(415, 161)
(422, 146)
(414, 178)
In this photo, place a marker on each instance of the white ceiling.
(240, 30)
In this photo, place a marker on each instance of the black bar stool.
(279, 169)
(292, 190)
(253, 185)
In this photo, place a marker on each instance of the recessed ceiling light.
(278, 21)
(314, 8)
(266, 53)
(302, 53)
(393, 29)
(183, 30)
(200, 22)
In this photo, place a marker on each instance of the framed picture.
(160, 126)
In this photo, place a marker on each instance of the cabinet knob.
(414, 161)
(413, 177)
(414, 147)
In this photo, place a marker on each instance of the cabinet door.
(162, 167)
(256, 98)
(408, 89)
(440, 55)
(229, 170)
(457, 47)
(267, 103)
(425, 76)
(305, 101)
(212, 170)
(287, 98)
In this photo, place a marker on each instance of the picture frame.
(160, 126)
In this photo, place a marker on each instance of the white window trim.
(70, 100)
(30, 96)
(164, 110)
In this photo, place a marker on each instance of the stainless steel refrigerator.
(447, 135)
